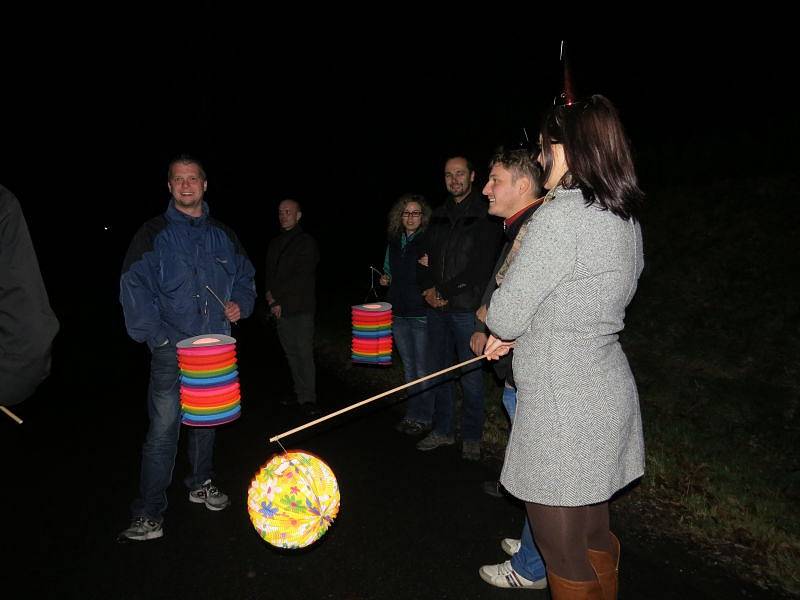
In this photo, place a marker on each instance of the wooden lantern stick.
(363, 402)
(11, 415)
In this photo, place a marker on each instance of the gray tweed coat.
(577, 433)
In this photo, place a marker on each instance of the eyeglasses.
(414, 213)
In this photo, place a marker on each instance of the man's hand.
(432, 297)
(496, 348)
(423, 260)
(232, 312)
(480, 314)
(478, 342)
(275, 309)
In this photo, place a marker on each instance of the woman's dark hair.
(597, 153)
(396, 229)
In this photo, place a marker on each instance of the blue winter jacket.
(171, 260)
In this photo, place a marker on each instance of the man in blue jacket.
(185, 274)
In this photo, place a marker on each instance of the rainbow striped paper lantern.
(372, 333)
(209, 380)
(293, 499)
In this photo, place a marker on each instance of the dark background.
(343, 123)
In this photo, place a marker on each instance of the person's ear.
(299, 214)
(205, 186)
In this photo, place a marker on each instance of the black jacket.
(462, 242)
(292, 259)
(404, 293)
(27, 323)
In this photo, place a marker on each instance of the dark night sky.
(344, 123)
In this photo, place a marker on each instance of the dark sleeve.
(243, 291)
(425, 278)
(27, 323)
(138, 291)
(479, 267)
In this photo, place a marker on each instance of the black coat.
(462, 242)
(292, 259)
(27, 323)
(404, 294)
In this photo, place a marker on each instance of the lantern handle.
(11, 415)
(363, 402)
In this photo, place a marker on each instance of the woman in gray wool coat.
(577, 435)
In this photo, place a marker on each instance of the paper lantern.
(372, 333)
(293, 499)
(209, 380)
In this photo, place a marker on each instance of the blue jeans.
(448, 332)
(161, 443)
(410, 337)
(527, 561)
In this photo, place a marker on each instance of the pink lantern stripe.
(210, 391)
(224, 348)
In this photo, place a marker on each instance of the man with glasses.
(461, 246)
(292, 259)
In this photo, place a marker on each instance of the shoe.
(504, 576)
(493, 488)
(287, 400)
(471, 450)
(210, 495)
(434, 440)
(310, 409)
(511, 546)
(141, 530)
(410, 427)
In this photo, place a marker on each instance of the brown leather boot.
(565, 589)
(606, 567)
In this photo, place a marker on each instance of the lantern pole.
(363, 402)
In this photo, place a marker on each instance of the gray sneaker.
(471, 450)
(434, 440)
(210, 495)
(141, 530)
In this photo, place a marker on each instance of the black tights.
(564, 533)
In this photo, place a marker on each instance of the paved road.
(412, 524)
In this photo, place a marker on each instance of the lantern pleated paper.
(372, 333)
(209, 380)
(293, 499)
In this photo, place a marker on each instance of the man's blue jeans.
(410, 337)
(446, 332)
(161, 443)
(527, 561)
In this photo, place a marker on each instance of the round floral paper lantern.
(293, 499)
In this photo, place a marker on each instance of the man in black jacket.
(461, 245)
(292, 259)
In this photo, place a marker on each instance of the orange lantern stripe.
(211, 400)
(204, 360)
(207, 410)
(207, 367)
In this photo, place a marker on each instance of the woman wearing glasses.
(577, 436)
(407, 220)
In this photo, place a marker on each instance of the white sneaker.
(504, 576)
(511, 546)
